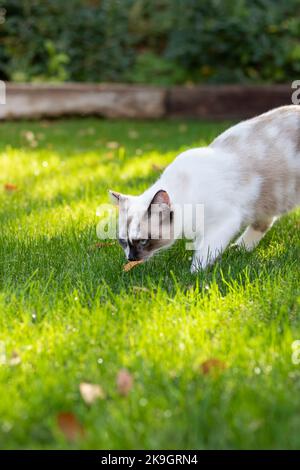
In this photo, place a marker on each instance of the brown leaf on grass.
(156, 167)
(212, 365)
(182, 128)
(112, 145)
(124, 382)
(70, 426)
(15, 359)
(31, 138)
(132, 134)
(131, 264)
(10, 187)
(91, 392)
(29, 135)
(88, 131)
(103, 244)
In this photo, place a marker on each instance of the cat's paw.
(236, 246)
(240, 244)
(195, 268)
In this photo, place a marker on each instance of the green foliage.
(69, 314)
(150, 41)
(225, 41)
(152, 68)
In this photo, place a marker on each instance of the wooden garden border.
(32, 101)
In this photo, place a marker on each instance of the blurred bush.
(150, 41)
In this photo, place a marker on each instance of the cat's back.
(267, 133)
(267, 149)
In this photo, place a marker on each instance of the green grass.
(71, 315)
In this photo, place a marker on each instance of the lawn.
(209, 356)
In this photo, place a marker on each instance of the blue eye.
(143, 242)
(123, 242)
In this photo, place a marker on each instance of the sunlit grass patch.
(210, 356)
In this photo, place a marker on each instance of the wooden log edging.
(32, 101)
(111, 101)
(226, 101)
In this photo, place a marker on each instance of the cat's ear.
(161, 197)
(115, 197)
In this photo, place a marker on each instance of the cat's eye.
(144, 242)
(123, 242)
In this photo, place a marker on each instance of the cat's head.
(145, 223)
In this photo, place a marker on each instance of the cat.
(247, 177)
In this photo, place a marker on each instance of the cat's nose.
(132, 257)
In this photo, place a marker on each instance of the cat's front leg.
(204, 255)
(197, 262)
(216, 239)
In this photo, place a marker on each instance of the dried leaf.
(15, 359)
(182, 128)
(112, 145)
(211, 365)
(131, 264)
(132, 134)
(10, 187)
(88, 131)
(70, 426)
(124, 382)
(91, 392)
(156, 167)
(29, 135)
(31, 138)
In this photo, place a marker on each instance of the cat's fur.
(246, 177)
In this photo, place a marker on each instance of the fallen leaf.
(112, 145)
(156, 167)
(182, 128)
(131, 264)
(31, 138)
(91, 392)
(10, 187)
(15, 359)
(211, 365)
(70, 426)
(132, 134)
(29, 135)
(124, 382)
(88, 131)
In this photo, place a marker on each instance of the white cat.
(246, 177)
